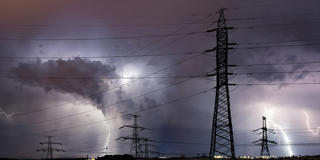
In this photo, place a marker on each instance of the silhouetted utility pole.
(49, 149)
(135, 146)
(222, 143)
(264, 140)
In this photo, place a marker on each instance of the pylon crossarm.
(256, 141)
(256, 130)
(211, 50)
(215, 29)
(272, 142)
(43, 143)
(122, 138)
(57, 143)
(59, 150)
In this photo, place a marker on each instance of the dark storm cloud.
(270, 72)
(292, 24)
(31, 74)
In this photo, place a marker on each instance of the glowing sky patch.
(129, 71)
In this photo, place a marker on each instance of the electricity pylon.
(146, 147)
(49, 149)
(264, 140)
(222, 143)
(136, 145)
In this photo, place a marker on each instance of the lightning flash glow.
(313, 131)
(269, 112)
(129, 71)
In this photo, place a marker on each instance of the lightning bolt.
(4, 114)
(281, 130)
(284, 136)
(108, 136)
(315, 131)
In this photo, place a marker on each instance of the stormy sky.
(63, 62)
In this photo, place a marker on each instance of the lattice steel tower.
(264, 140)
(222, 143)
(136, 145)
(50, 149)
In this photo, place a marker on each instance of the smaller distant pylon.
(264, 140)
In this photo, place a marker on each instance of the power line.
(198, 14)
(280, 46)
(180, 142)
(239, 144)
(277, 84)
(274, 64)
(101, 57)
(101, 38)
(276, 25)
(280, 41)
(99, 26)
(265, 5)
(274, 16)
(287, 72)
(97, 78)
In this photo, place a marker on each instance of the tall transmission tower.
(146, 147)
(222, 143)
(50, 149)
(136, 139)
(264, 140)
